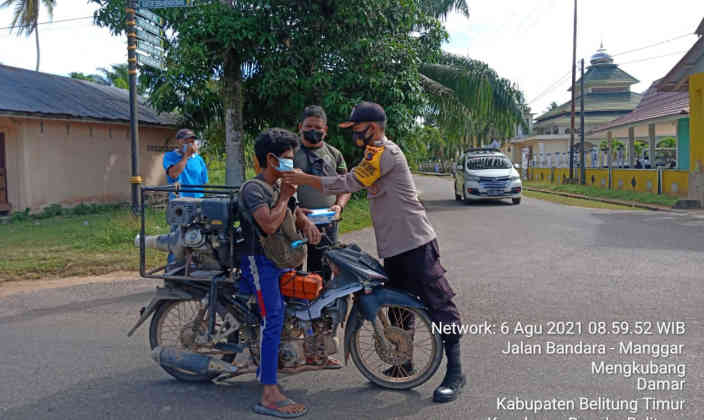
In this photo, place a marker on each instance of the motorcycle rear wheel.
(364, 348)
(170, 318)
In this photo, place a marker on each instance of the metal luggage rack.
(161, 272)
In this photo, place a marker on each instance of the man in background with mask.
(184, 165)
(405, 239)
(316, 157)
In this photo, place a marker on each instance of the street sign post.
(145, 33)
(163, 4)
(150, 40)
(150, 49)
(147, 37)
(149, 26)
(146, 14)
(146, 60)
(135, 180)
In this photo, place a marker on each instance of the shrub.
(51, 210)
(20, 216)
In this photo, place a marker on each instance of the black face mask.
(360, 137)
(313, 136)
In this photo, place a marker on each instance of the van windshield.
(488, 162)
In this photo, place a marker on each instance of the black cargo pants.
(420, 273)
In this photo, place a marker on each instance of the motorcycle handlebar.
(299, 243)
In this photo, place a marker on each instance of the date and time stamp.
(649, 354)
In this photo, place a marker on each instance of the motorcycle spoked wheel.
(421, 346)
(170, 326)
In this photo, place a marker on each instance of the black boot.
(454, 380)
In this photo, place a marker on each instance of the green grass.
(356, 216)
(65, 246)
(216, 174)
(75, 245)
(576, 202)
(630, 196)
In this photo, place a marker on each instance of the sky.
(526, 41)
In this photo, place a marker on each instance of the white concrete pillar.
(610, 153)
(631, 147)
(677, 144)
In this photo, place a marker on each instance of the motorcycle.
(203, 329)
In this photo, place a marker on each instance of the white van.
(486, 174)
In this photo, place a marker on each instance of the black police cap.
(365, 112)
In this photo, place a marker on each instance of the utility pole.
(135, 179)
(583, 170)
(574, 70)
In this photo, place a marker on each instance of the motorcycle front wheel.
(173, 325)
(414, 355)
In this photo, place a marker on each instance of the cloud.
(65, 47)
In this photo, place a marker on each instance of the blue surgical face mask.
(198, 144)
(285, 165)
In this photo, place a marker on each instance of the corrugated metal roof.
(31, 92)
(655, 104)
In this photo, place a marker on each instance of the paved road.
(64, 353)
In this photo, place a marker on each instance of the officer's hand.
(305, 210)
(311, 232)
(296, 176)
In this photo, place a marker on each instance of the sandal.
(277, 412)
(331, 363)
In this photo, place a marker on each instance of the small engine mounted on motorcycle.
(308, 342)
(202, 231)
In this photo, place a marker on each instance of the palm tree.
(467, 97)
(441, 8)
(117, 75)
(95, 78)
(26, 17)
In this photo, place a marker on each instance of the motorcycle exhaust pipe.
(192, 362)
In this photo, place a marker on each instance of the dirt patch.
(8, 288)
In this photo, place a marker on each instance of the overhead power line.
(550, 88)
(49, 22)
(651, 45)
(555, 84)
(654, 58)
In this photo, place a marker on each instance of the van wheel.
(464, 197)
(516, 201)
